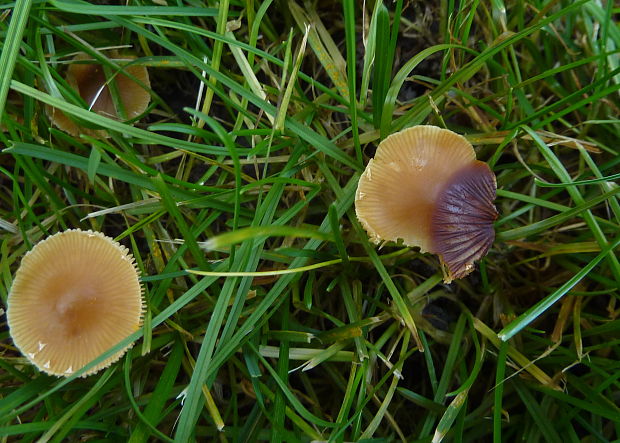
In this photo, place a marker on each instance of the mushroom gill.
(426, 187)
(75, 295)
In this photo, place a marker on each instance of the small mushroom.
(426, 187)
(75, 295)
(89, 80)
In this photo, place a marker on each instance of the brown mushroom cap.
(75, 295)
(90, 82)
(426, 187)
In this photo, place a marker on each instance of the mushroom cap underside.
(462, 223)
(396, 193)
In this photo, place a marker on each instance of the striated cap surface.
(397, 192)
(425, 187)
(75, 295)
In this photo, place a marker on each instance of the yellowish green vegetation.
(269, 315)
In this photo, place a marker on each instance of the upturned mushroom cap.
(426, 187)
(75, 295)
(90, 82)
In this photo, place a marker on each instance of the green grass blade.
(10, 47)
(535, 311)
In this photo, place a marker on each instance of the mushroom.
(89, 80)
(75, 295)
(426, 187)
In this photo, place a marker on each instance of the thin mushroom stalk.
(426, 188)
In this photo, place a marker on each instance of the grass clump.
(269, 315)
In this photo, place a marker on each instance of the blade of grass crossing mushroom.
(10, 47)
(9, 411)
(99, 120)
(561, 172)
(314, 139)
